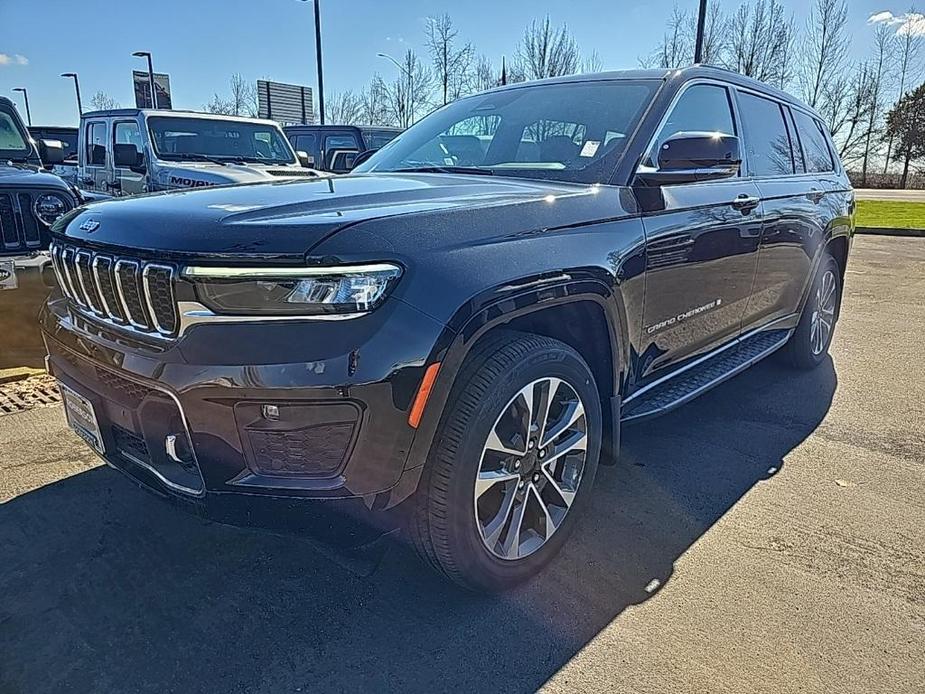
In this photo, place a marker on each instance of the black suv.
(335, 148)
(458, 327)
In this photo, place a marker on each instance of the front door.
(125, 181)
(701, 246)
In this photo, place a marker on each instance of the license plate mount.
(81, 416)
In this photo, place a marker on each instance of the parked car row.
(450, 336)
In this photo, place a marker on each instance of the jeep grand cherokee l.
(459, 327)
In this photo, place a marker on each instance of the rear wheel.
(809, 344)
(512, 463)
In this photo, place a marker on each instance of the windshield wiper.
(188, 156)
(447, 169)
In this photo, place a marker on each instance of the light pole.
(318, 59)
(25, 96)
(407, 75)
(80, 108)
(701, 22)
(146, 54)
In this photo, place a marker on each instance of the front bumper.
(301, 410)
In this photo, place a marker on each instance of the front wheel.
(512, 463)
(809, 344)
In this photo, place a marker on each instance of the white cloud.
(910, 23)
(885, 17)
(16, 59)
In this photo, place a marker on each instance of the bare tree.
(676, 48)
(825, 50)
(242, 100)
(374, 103)
(482, 76)
(409, 95)
(451, 63)
(846, 104)
(760, 42)
(879, 64)
(907, 56)
(101, 101)
(344, 108)
(547, 51)
(592, 63)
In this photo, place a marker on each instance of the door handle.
(746, 203)
(815, 195)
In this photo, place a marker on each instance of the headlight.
(293, 291)
(49, 206)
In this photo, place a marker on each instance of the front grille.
(128, 292)
(19, 229)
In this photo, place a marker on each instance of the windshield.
(208, 138)
(13, 142)
(377, 139)
(571, 132)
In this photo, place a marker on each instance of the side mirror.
(127, 156)
(363, 157)
(51, 152)
(305, 159)
(694, 156)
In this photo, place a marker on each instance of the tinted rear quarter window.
(96, 144)
(767, 141)
(815, 148)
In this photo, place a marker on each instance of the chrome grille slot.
(84, 261)
(69, 264)
(158, 285)
(106, 283)
(128, 293)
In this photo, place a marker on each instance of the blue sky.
(201, 42)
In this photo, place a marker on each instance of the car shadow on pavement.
(105, 588)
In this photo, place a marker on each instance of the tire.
(809, 345)
(451, 526)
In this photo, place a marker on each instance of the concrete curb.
(884, 231)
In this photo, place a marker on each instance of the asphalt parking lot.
(769, 537)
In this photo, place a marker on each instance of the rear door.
(793, 190)
(701, 244)
(307, 142)
(94, 174)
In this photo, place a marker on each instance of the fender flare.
(467, 326)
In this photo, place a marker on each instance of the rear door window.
(815, 148)
(96, 143)
(701, 108)
(767, 141)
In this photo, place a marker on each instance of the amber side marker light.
(417, 409)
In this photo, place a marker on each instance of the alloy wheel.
(823, 318)
(532, 464)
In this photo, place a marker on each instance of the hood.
(171, 175)
(287, 218)
(28, 177)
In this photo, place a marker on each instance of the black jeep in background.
(457, 328)
(31, 199)
(336, 148)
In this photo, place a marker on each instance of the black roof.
(680, 74)
(332, 126)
